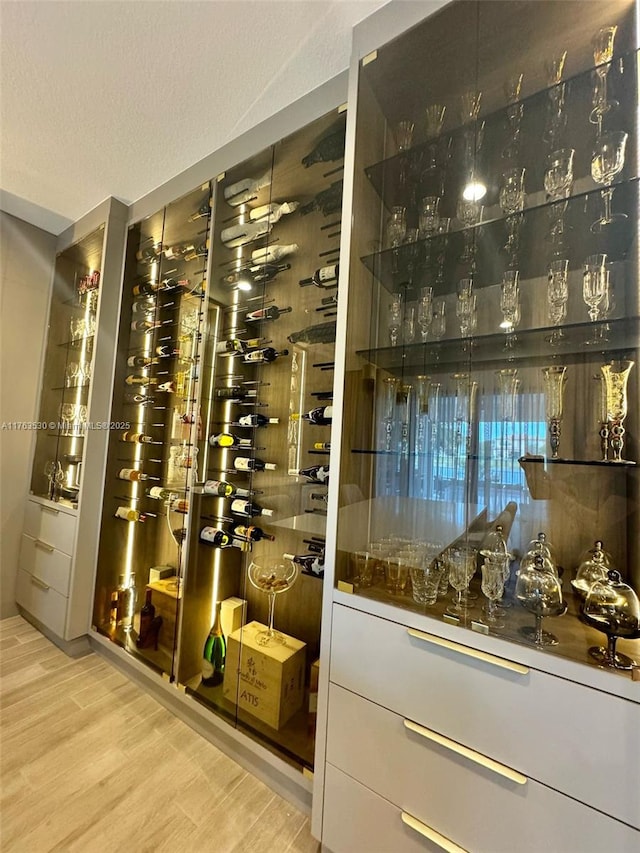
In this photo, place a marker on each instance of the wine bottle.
(270, 313)
(143, 306)
(322, 445)
(273, 211)
(139, 399)
(245, 232)
(126, 602)
(144, 325)
(245, 190)
(316, 473)
(321, 415)
(213, 656)
(202, 211)
(322, 277)
(251, 533)
(199, 251)
(273, 253)
(214, 536)
(257, 420)
(329, 148)
(129, 513)
(138, 437)
(149, 254)
(149, 287)
(321, 333)
(241, 506)
(168, 387)
(144, 288)
(235, 392)
(158, 493)
(312, 564)
(134, 379)
(140, 361)
(262, 273)
(264, 355)
(147, 612)
(225, 439)
(132, 474)
(328, 201)
(224, 489)
(246, 463)
(177, 504)
(236, 345)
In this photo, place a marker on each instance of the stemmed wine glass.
(510, 304)
(557, 296)
(493, 588)
(602, 55)
(395, 318)
(273, 580)
(595, 289)
(390, 395)
(425, 311)
(55, 475)
(558, 177)
(470, 214)
(515, 110)
(615, 378)
(434, 119)
(554, 382)
(439, 319)
(409, 324)
(607, 162)
(556, 121)
(466, 311)
(461, 560)
(396, 232)
(512, 199)
(428, 218)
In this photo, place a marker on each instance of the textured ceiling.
(114, 97)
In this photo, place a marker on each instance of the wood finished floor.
(90, 762)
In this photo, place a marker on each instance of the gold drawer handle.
(52, 509)
(44, 545)
(472, 653)
(471, 754)
(431, 834)
(37, 582)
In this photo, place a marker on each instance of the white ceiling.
(114, 97)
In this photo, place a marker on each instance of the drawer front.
(575, 739)
(47, 605)
(51, 526)
(437, 785)
(51, 567)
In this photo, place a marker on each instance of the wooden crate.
(165, 601)
(265, 681)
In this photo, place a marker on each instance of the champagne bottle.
(199, 251)
(138, 437)
(202, 211)
(213, 656)
(144, 325)
(264, 355)
(158, 493)
(236, 345)
(143, 306)
(224, 489)
(312, 564)
(316, 473)
(246, 463)
(134, 379)
(245, 232)
(270, 313)
(225, 439)
(245, 190)
(235, 392)
(129, 513)
(322, 277)
(251, 533)
(147, 613)
(149, 287)
(328, 201)
(321, 415)
(140, 361)
(180, 250)
(149, 254)
(322, 445)
(321, 333)
(272, 254)
(257, 420)
(214, 536)
(241, 506)
(273, 211)
(329, 148)
(262, 273)
(132, 474)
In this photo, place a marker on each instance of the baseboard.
(76, 648)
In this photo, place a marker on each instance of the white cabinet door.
(50, 525)
(51, 567)
(43, 602)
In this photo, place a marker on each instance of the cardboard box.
(158, 573)
(265, 681)
(165, 601)
(232, 614)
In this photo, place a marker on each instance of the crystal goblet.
(272, 579)
(607, 162)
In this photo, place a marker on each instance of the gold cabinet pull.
(44, 546)
(37, 582)
(431, 834)
(51, 509)
(471, 653)
(471, 754)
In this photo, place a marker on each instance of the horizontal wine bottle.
(187, 251)
(149, 254)
(315, 473)
(273, 211)
(143, 306)
(264, 355)
(235, 392)
(323, 277)
(168, 387)
(132, 474)
(149, 287)
(270, 313)
(140, 361)
(158, 493)
(328, 201)
(273, 253)
(246, 463)
(134, 379)
(245, 190)
(202, 211)
(257, 420)
(237, 346)
(224, 490)
(139, 399)
(312, 564)
(225, 439)
(214, 536)
(129, 513)
(263, 273)
(321, 333)
(329, 148)
(245, 232)
(178, 504)
(251, 533)
(321, 415)
(322, 445)
(136, 437)
(242, 506)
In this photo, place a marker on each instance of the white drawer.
(47, 605)
(51, 567)
(51, 526)
(477, 807)
(573, 738)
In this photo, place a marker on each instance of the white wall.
(26, 263)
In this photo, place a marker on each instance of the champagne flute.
(555, 378)
(395, 318)
(557, 296)
(595, 288)
(602, 43)
(425, 311)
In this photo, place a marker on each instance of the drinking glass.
(615, 376)
(409, 324)
(428, 218)
(411, 252)
(602, 43)
(493, 588)
(434, 119)
(404, 135)
(272, 580)
(396, 573)
(461, 560)
(396, 227)
(558, 178)
(425, 579)
(512, 192)
(595, 287)
(554, 69)
(557, 294)
(510, 300)
(554, 382)
(607, 162)
(425, 311)
(507, 383)
(395, 318)
(364, 565)
(439, 319)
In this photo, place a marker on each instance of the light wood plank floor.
(90, 762)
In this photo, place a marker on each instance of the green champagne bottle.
(215, 650)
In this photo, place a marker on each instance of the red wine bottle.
(224, 490)
(246, 463)
(322, 277)
(256, 420)
(312, 564)
(242, 506)
(214, 536)
(329, 148)
(263, 356)
(328, 201)
(270, 313)
(321, 415)
(250, 533)
(147, 612)
(315, 474)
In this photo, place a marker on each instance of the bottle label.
(157, 492)
(217, 487)
(328, 273)
(128, 474)
(242, 463)
(241, 507)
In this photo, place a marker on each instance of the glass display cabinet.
(250, 630)
(153, 460)
(490, 430)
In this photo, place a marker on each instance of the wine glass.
(428, 218)
(470, 106)
(507, 382)
(607, 162)
(539, 592)
(466, 307)
(71, 374)
(396, 227)
(434, 119)
(554, 382)
(273, 580)
(557, 295)
(390, 395)
(510, 301)
(558, 178)
(602, 43)
(461, 560)
(512, 199)
(395, 318)
(615, 377)
(595, 287)
(554, 69)
(425, 311)
(492, 587)
(439, 319)
(404, 135)
(470, 213)
(409, 324)
(613, 608)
